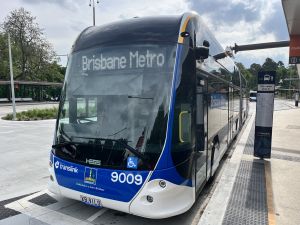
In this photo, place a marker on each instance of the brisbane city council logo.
(90, 175)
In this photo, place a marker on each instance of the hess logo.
(56, 164)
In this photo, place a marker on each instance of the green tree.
(269, 65)
(253, 70)
(283, 74)
(53, 73)
(3, 57)
(33, 56)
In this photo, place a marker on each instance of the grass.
(34, 114)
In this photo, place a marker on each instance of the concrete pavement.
(24, 150)
(285, 166)
(254, 191)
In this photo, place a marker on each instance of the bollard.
(296, 99)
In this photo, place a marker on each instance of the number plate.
(91, 201)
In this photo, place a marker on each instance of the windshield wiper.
(125, 128)
(68, 143)
(139, 97)
(124, 144)
(65, 150)
(63, 144)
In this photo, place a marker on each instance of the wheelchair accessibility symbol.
(132, 162)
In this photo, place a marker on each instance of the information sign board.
(264, 114)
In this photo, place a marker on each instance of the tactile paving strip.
(6, 212)
(248, 200)
(285, 157)
(249, 148)
(43, 200)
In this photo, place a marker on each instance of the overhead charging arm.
(277, 44)
(238, 48)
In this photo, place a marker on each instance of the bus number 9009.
(126, 178)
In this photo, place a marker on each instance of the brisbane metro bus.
(148, 109)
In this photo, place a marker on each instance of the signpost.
(264, 114)
(12, 79)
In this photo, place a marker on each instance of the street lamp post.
(12, 79)
(93, 9)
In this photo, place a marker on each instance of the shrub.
(34, 114)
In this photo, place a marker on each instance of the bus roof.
(152, 29)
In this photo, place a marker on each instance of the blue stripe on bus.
(165, 168)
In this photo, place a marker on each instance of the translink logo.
(59, 165)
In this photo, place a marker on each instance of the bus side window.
(184, 126)
(183, 140)
(87, 108)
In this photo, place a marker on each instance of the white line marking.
(97, 214)
(6, 132)
(43, 214)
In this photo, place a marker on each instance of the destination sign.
(131, 60)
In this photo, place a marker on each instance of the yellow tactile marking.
(183, 28)
(270, 201)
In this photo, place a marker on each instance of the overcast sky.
(231, 21)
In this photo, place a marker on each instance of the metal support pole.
(94, 13)
(241, 101)
(12, 79)
(290, 95)
(94, 19)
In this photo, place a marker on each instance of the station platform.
(256, 191)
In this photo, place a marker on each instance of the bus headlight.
(149, 198)
(50, 163)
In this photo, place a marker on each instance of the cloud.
(227, 12)
(275, 22)
(246, 22)
(259, 56)
(231, 21)
(66, 4)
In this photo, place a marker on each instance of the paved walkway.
(254, 191)
(285, 166)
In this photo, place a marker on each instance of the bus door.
(201, 131)
(231, 114)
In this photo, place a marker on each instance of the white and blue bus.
(148, 108)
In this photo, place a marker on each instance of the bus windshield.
(114, 105)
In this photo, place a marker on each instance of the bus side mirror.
(201, 52)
